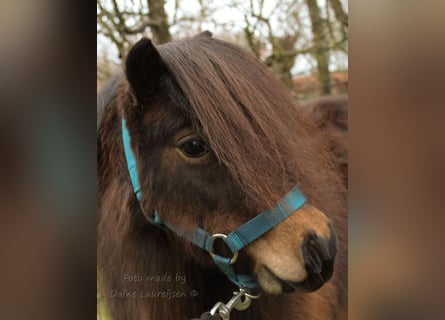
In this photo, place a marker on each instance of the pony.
(217, 139)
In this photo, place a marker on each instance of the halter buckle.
(223, 236)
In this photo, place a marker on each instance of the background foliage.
(305, 42)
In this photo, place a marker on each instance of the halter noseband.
(237, 239)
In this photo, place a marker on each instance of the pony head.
(217, 139)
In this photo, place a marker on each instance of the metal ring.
(223, 236)
(251, 296)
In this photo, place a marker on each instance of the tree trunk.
(160, 31)
(320, 52)
(340, 14)
(282, 59)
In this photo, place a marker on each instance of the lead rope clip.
(240, 301)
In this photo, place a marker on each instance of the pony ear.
(143, 69)
(204, 35)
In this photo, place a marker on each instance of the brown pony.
(217, 139)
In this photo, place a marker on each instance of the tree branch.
(141, 27)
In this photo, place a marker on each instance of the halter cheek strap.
(237, 239)
(131, 161)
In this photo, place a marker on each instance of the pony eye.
(194, 148)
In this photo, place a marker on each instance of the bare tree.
(158, 21)
(282, 58)
(260, 32)
(122, 22)
(341, 25)
(283, 30)
(320, 50)
(340, 13)
(275, 31)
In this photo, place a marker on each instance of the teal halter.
(237, 239)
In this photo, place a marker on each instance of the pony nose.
(319, 255)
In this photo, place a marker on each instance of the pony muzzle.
(297, 255)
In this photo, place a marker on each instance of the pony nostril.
(313, 252)
(317, 252)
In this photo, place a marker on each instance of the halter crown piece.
(237, 239)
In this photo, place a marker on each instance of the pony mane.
(252, 123)
(105, 95)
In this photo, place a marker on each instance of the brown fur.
(330, 114)
(261, 145)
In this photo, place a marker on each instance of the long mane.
(253, 124)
